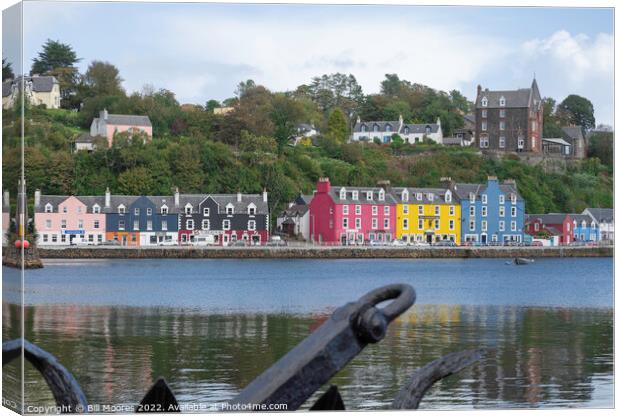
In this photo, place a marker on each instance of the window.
(190, 224)
(251, 210)
(374, 223)
(436, 209)
(536, 226)
(369, 195)
(386, 223)
(386, 210)
(345, 209)
(513, 211)
(484, 113)
(534, 125)
(484, 141)
(502, 113)
(452, 210)
(164, 225)
(358, 223)
(484, 126)
(405, 209)
(136, 225)
(375, 128)
(48, 224)
(484, 198)
(451, 225)
(502, 226)
(64, 209)
(99, 238)
(502, 125)
(448, 196)
(149, 225)
(502, 211)
(54, 238)
(121, 225)
(48, 208)
(375, 210)
(436, 224)
(363, 128)
(513, 198)
(45, 238)
(121, 209)
(388, 128)
(472, 211)
(343, 194)
(513, 226)
(358, 209)
(90, 238)
(96, 209)
(502, 199)
(381, 195)
(188, 209)
(251, 225)
(164, 210)
(79, 210)
(430, 197)
(230, 209)
(405, 224)
(136, 211)
(96, 224)
(63, 223)
(355, 195)
(418, 196)
(205, 212)
(420, 224)
(484, 101)
(502, 142)
(405, 196)
(520, 143)
(420, 209)
(345, 223)
(502, 102)
(472, 225)
(483, 225)
(472, 197)
(484, 211)
(406, 131)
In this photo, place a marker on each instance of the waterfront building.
(141, 220)
(427, 215)
(490, 213)
(222, 219)
(352, 215)
(584, 228)
(66, 220)
(368, 131)
(107, 125)
(294, 221)
(550, 226)
(604, 218)
(509, 121)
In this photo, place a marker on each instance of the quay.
(318, 252)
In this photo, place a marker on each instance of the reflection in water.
(541, 357)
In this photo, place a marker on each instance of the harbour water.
(210, 326)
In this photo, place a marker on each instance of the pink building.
(6, 216)
(66, 220)
(106, 125)
(351, 215)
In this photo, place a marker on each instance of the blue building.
(585, 228)
(491, 213)
(142, 220)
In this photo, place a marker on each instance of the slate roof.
(84, 138)
(126, 120)
(439, 196)
(56, 200)
(160, 201)
(546, 219)
(420, 128)
(116, 200)
(454, 141)
(601, 214)
(381, 124)
(470, 118)
(581, 217)
(296, 210)
(361, 199)
(462, 190)
(41, 83)
(573, 132)
(304, 199)
(556, 141)
(514, 99)
(224, 199)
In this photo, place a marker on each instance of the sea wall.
(320, 252)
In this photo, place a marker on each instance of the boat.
(523, 260)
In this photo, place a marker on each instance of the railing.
(294, 378)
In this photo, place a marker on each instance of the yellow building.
(427, 215)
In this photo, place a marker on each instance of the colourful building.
(558, 227)
(351, 215)
(67, 220)
(427, 215)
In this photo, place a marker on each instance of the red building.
(562, 225)
(352, 215)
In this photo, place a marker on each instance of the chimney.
(400, 119)
(264, 195)
(103, 115)
(323, 186)
(37, 197)
(176, 197)
(492, 178)
(238, 196)
(385, 184)
(438, 121)
(107, 197)
(358, 119)
(479, 89)
(5, 201)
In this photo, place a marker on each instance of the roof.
(40, 83)
(304, 199)
(438, 195)
(601, 214)
(573, 132)
(126, 120)
(463, 190)
(84, 138)
(519, 98)
(362, 198)
(546, 219)
(556, 141)
(420, 128)
(56, 200)
(296, 210)
(394, 125)
(470, 118)
(581, 217)
(224, 199)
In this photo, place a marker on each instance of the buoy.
(18, 243)
(26, 244)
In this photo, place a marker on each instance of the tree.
(391, 85)
(551, 125)
(244, 87)
(337, 129)
(578, 111)
(7, 70)
(102, 78)
(601, 145)
(286, 113)
(212, 105)
(334, 90)
(58, 59)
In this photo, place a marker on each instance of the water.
(210, 326)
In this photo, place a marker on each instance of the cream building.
(39, 90)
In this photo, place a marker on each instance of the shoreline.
(319, 252)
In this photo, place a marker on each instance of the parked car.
(445, 243)
(239, 243)
(377, 243)
(420, 244)
(577, 243)
(537, 243)
(399, 243)
(111, 243)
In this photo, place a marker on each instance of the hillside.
(200, 164)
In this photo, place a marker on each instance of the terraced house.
(65, 220)
(427, 215)
(490, 213)
(222, 219)
(351, 215)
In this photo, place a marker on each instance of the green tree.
(102, 78)
(551, 125)
(577, 110)
(135, 181)
(244, 87)
(59, 59)
(337, 128)
(212, 105)
(286, 113)
(601, 145)
(7, 70)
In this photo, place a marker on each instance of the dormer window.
(428, 129)
(405, 195)
(369, 195)
(388, 128)
(355, 195)
(188, 209)
(96, 209)
(472, 197)
(448, 196)
(484, 198)
(381, 195)
(375, 128)
(121, 209)
(513, 198)
(48, 208)
(406, 131)
(418, 196)
(484, 102)
(363, 128)
(252, 209)
(430, 197)
(343, 193)
(230, 209)
(502, 101)
(164, 209)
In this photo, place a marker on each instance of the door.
(483, 238)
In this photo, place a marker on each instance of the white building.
(604, 218)
(39, 90)
(368, 131)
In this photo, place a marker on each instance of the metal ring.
(403, 294)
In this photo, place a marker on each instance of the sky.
(202, 51)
